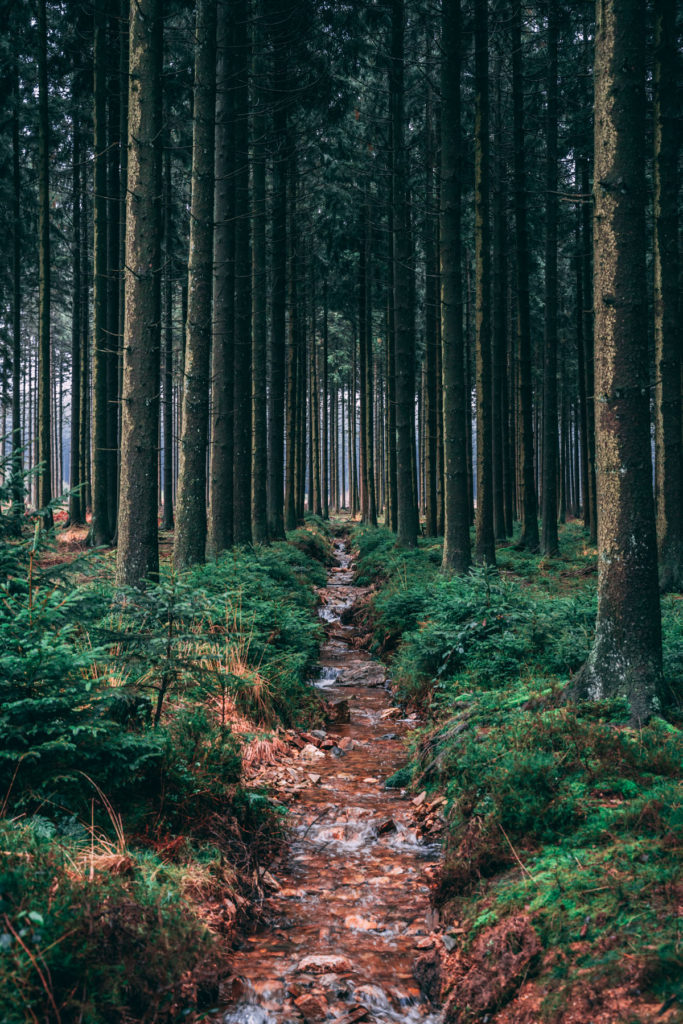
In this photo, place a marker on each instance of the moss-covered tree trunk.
(189, 543)
(138, 555)
(17, 456)
(456, 548)
(668, 332)
(626, 657)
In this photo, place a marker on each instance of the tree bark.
(189, 543)
(485, 542)
(44, 265)
(626, 657)
(528, 502)
(138, 555)
(220, 530)
(456, 547)
(669, 488)
(549, 538)
(404, 367)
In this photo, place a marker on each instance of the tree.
(668, 452)
(456, 547)
(138, 555)
(44, 266)
(190, 530)
(626, 657)
(404, 363)
(220, 531)
(529, 504)
(243, 270)
(485, 542)
(549, 539)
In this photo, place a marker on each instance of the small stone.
(386, 827)
(347, 743)
(313, 1007)
(311, 753)
(324, 963)
(449, 943)
(319, 734)
(315, 779)
(419, 800)
(336, 752)
(361, 924)
(427, 942)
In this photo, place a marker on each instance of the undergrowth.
(556, 811)
(125, 829)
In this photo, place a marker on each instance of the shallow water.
(342, 933)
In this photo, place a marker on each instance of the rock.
(336, 752)
(360, 1013)
(391, 736)
(324, 963)
(315, 779)
(313, 1007)
(361, 924)
(319, 734)
(327, 744)
(419, 800)
(391, 713)
(311, 753)
(449, 943)
(386, 827)
(426, 942)
(427, 971)
(346, 743)
(338, 711)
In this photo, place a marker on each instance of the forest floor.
(429, 832)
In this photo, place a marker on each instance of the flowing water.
(339, 938)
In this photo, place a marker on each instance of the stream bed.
(350, 911)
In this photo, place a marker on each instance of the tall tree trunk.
(669, 488)
(189, 543)
(528, 500)
(499, 336)
(259, 426)
(76, 492)
(324, 484)
(626, 658)
(243, 340)
(220, 530)
(456, 546)
(101, 520)
(292, 358)
(549, 539)
(404, 365)
(167, 391)
(17, 441)
(138, 554)
(431, 390)
(113, 265)
(485, 543)
(44, 265)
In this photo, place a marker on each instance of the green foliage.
(560, 812)
(89, 933)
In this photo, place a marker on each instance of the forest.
(341, 512)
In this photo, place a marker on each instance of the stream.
(338, 937)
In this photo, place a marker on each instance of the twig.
(514, 852)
